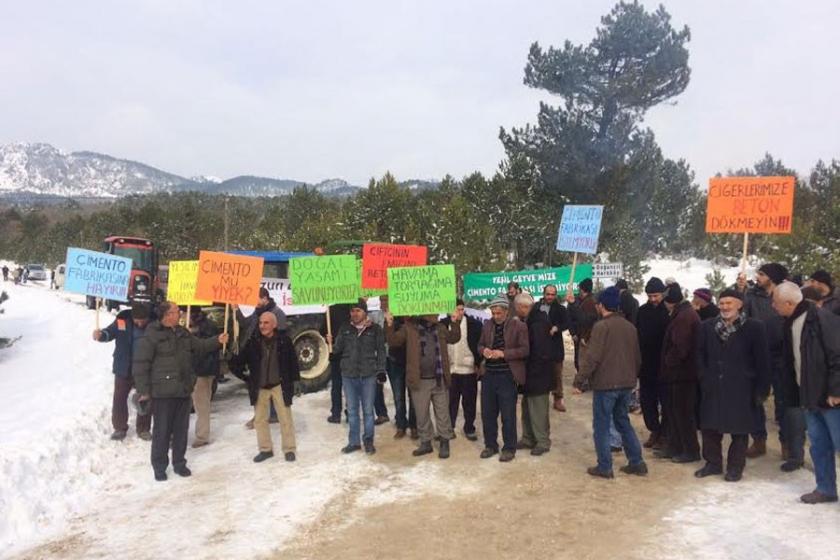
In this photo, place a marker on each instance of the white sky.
(314, 89)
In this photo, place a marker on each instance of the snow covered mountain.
(37, 170)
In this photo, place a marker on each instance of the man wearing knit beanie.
(703, 305)
(758, 304)
(821, 281)
(583, 316)
(651, 321)
(679, 372)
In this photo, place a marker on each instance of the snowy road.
(67, 491)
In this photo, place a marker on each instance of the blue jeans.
(613, 406)
(824, 433)
(615, 437)
(360, 391)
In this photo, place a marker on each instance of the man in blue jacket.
(126, 329)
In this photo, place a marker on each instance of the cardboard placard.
(183, 278)
(580, 228)
(421, 290)
(325, 280)
(750, 205)
(377, 258)
(97, 274)
(227, 278)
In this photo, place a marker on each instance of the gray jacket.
(362, 352)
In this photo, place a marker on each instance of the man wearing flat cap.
(734, 360)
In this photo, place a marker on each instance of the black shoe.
(708, 470)
(790, 466)
(263, 455)
(443, 453)
(488, 452)
(160, 477)
(616, 449)
(183, 471)
(595, 471)
(639, 470)
(732, 476)
(350, 448)
(685, 459)
(334, 419)
(507, 456)
(537, 451)
(381, 420)
(369, 448)
(521, 444)
(290, 456)
(423, 449)
(662, 454)
(471, 436)
(145, 436)
(118, 435)
(440, 439)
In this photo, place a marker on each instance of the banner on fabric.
(484, 286)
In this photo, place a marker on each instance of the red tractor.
(145, 283)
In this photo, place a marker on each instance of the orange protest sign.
(377, 258)
(227, 278)
(750, 205)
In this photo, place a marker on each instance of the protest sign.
(750, 205)
(228, 278)
(325, 280)
(607, 270)
(97, 274)
(183, 277)
(377, 258)
(280, 290)
(484, 286)
(421, 290)
(580, 228)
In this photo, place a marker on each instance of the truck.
(144, 284)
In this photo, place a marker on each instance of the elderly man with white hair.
(275, 377)
(504, 347)
(812, 381)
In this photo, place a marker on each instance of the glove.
(297, 389)
(381, 377)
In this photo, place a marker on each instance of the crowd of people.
(698, 369)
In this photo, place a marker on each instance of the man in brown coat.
(428, 373)
(504, 347)
(609, 367)
(679, 372)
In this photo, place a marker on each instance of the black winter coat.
(734, 376)
(651, 322)
(558, 316)
(820, 351)
(758, 304)
(205, 365)
(679, 350)
(629, 306)
(287, 361)
(709, 312)
(539, 369)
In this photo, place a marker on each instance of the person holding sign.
(428, 374)
(504, 347)
(125, 331)
(163, 370)
(206, 370)
(360, 345)
(274, 377)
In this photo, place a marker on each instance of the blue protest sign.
(580, 228)
(97, 274)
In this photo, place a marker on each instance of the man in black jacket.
(812, 381)
(559, 319)
(163, 370)
(275, 377)
(206, 370)
(464, 360)
(703, 304)
(733, 368)
(821, 280)
(651, 321)
(125, 331)
(539, 377)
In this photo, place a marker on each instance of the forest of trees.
(589, 149)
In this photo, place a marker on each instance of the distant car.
(59, 276)
(37, 272)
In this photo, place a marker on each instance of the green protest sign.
(421, 290)
(324, 280)
(484, 286)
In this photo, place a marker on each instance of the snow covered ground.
(66, 486)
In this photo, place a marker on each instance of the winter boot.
(758, 448)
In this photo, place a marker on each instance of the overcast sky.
(312, 89)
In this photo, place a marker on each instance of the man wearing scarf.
(734, 362)
(428, 374)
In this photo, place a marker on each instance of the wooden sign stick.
(329, 330)
(188, 317)
(227, 311)
(744, 256)
(98, 304)
(570, 288)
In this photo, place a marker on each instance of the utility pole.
(227, 220)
